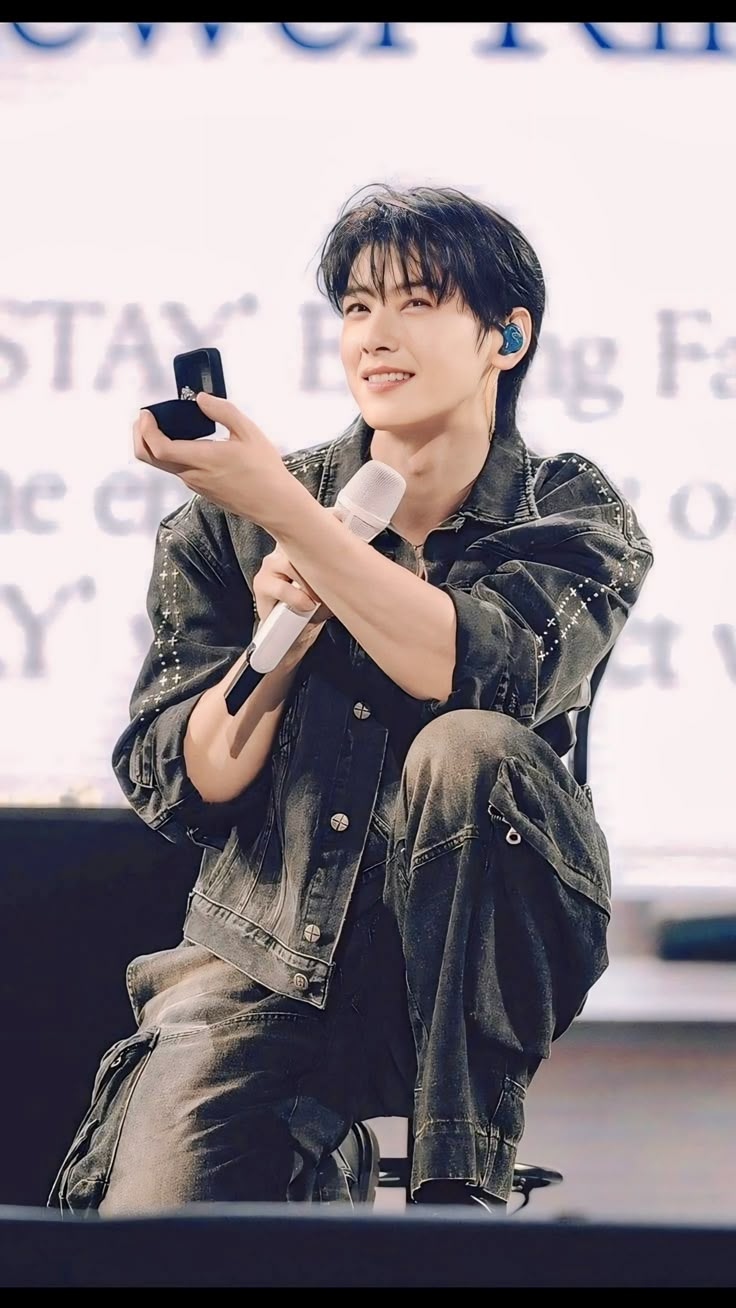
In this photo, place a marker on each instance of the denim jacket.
(542, 561)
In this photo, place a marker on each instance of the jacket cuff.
(181, 814)
(495, 661)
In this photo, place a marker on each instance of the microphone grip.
(274, 637)
(282, 626)
(277, 633)
(242, 685)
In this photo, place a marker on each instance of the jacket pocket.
(556, 818)
(215, 863)
(84, 1174)
(291, 716)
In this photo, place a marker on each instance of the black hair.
(448, 242)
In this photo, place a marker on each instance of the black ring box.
(182, 419)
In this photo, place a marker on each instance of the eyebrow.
(355, 289)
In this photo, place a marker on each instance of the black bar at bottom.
(273, 1245)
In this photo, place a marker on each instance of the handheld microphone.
(365, 505)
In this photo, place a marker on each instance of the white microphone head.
(370, 499)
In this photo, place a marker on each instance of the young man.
(404, 893)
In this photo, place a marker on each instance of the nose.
(378, 343)
(379, 332)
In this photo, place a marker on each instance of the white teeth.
(377, 378)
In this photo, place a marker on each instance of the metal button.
(340, 821)
(312, 933)
(301, 981)
(361, 710)
(513, 837)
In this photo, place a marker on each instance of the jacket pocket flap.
(558, 821)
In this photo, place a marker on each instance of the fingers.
(222, 411)
(178, 456)
(149, 443)
(297, 599)
(279, 590)
(277, 581)
(280, 565)
(139, 449)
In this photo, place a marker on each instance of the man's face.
(409, 333)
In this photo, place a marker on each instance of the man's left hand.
(245, 474)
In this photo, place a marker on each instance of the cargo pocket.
(505, 1130)
(556, 817)
(507, 1121)
(84, 1174)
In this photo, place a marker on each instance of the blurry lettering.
(653, 39)
(19, 506)
(710, 42)
(132, 341)
(63, 314)
(13, 364)
(194, 337)
(509, 40)
(719, 504)
(33, 37)
(589, 396)
(211, 30)
(578, 374)
(42, 486)
(35, 625)
(318, 342)
(658, 636)
(149, 499)
(673, 350)
(724, 636)
(723, 384)
(294, 33)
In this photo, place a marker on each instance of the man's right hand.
(274, 583)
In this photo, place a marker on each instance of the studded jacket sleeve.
(202, 614)
(548, 597)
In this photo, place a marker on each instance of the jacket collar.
(501, 493)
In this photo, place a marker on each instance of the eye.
(357, 305)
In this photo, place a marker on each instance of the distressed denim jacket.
(542, 561)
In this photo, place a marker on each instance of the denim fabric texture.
(410, 902)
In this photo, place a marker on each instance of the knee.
(464, 741)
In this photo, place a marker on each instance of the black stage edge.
(276, 1246)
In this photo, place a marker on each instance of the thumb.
(223, 411)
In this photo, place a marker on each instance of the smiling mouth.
(381, 381)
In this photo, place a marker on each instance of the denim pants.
(464, 954)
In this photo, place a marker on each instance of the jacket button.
(361, 710)
(513, 837)
(301, 981)
(312, 933)
(340, 821)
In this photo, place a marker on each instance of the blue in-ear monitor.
(513, 339)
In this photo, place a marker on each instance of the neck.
(439, 471)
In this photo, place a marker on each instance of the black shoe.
(350, 1174)
(490, 1203)
(443, 1196)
